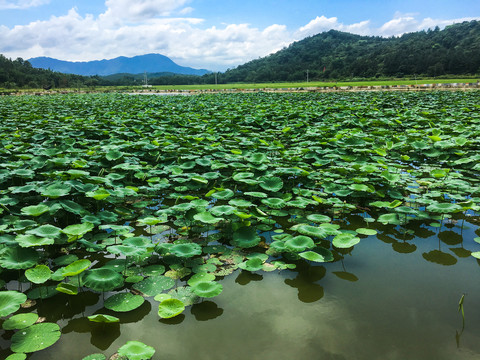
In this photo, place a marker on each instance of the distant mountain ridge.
(150, 63)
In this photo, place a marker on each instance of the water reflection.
(439, 257)
(173, 321)
(63, 306)
(206, 310)
(102, 335)
(245, 277)
(305, 282)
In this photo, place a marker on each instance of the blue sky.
(208, 34)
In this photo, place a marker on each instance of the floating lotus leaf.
(154, 285)
(185, 294)
(223, 195)
(389, 219)
(10, 302)
(136, 350)
(361, 187)
(102, 318)
(240, 203)
(150, 220)
(23, 189)
(366, 231)
(138, 241)
(444, 208)
(314, 231)
(78, 230)
(222, 210)
(254, 264)
(8, 240)
(20, 321)
(242, 176)
(26, 241)
(56, 190)
(39, 274)
(18, 258)
(200, 277)
(35, 338)
(35, 210)
(124, 302)
(67, 288)
(45, 231)
(299, 243)
(186, 250)
(256, 194)
(274, 203)
(103, 279)
(271, 183)
(76, 267)
(345, 240)
(178, 273)
(245, 237)
(153, 270)
(170, 308)
(113, 155)
(476, 254)
(162, 297)
(126, 250)
(257, 158)
(97, 356)
(207, 218)
(319, 255)
(319, 218)
(207, 289)
(16, 356)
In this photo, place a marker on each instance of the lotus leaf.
(97, 356)
(78, 230)
(35, 338)
(39, 274)
(271, 183)
(319, 218)
(199, 277)
(76, 267)
(299, 243)
(345, 240)
(26, 241)
(18, 258)
(254, 264)
(102, 279)
(20, 321)
(99, 194)
(222, 210)
(16, 356)
(186, 250)
(35, 210)
(274, 203)
(67, 288)
(137, 241)
(245, 237)
(45, 231)
(55, 191)
(319, 255)
(365, 231)
(136, 350)
(223, 195)
(207, 289)
(313, 231)
(153, 270)
(444, 208)
(126, 250)
(10, 302)
(124, 302)
(102, 318)
(256, 194)
(207, 218)
(154, 285)
(162, 297)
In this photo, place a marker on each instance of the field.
(123, 201)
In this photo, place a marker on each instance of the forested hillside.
(338, 55)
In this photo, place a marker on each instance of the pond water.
(391, 297)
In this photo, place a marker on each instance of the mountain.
(339, 55)
(150, 63)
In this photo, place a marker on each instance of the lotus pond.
(261, 226)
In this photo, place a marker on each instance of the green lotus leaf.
(222, 210)
(256, 194)
(476, 254)
(389, 219)
(76, 267)
(56, 190)
(240, 203)
(207, 218)
(39, 274)
(45, 231)
(242, 176)
(154, 285)
(73, 207)
(139, 241)
(361, 187)
(22, 225)
(186, 250)
(271, 183)
(150, 220)
(274, 203)
(207, 289)
(10, 302)
(185, 294)
(319, 218)
(26, 241)
(182, 207)
(16, 356)
(35, 210)
(162, 297)
(170, 308)
(126, 250)
(20, 321)
(223, 195)
(313, 231)
(257, 158)
(299, 243)
(102, 279)
(23, 189)
(8, 240)
(18, 258)
(98, 194)
(67, 288)
(245, 237)
(35, 338)
(42, 292)
(444, 208)
(153, 270)
(78, 230)
(136, 350)
(252, 265)
(102, 318)
(113, 155)
(366, 231)
(97, 356)
(200, 277)
(345, 240)
(321, 256)
(124, 302)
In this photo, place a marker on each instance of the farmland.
(132, 202)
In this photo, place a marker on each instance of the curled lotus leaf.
(26, 241)
(314, 231)
(257, 158)
(223, 195)
(252, 265)
(102, 318)
(45, 231)
(207, 218)
(35, 210)
(271, 183)
(10, 302)
(274, 203)
(170, 308)
(245, 237)
(136, 350)
(319, 218)
(345, 240)
(76, 267)
(78, 229)
(256, 194)
(319, 255)
(18, 258)
(200, 277)
(35, 338)
(221, 210)
(103, 279)
(299, 243)
(207, 289)
(444, 208)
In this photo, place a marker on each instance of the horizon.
(204, 34)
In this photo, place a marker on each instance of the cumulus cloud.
(21, 4)
(129, 28)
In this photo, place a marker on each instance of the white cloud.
(21, 4)
(148, 27)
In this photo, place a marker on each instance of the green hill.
(339, 55)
